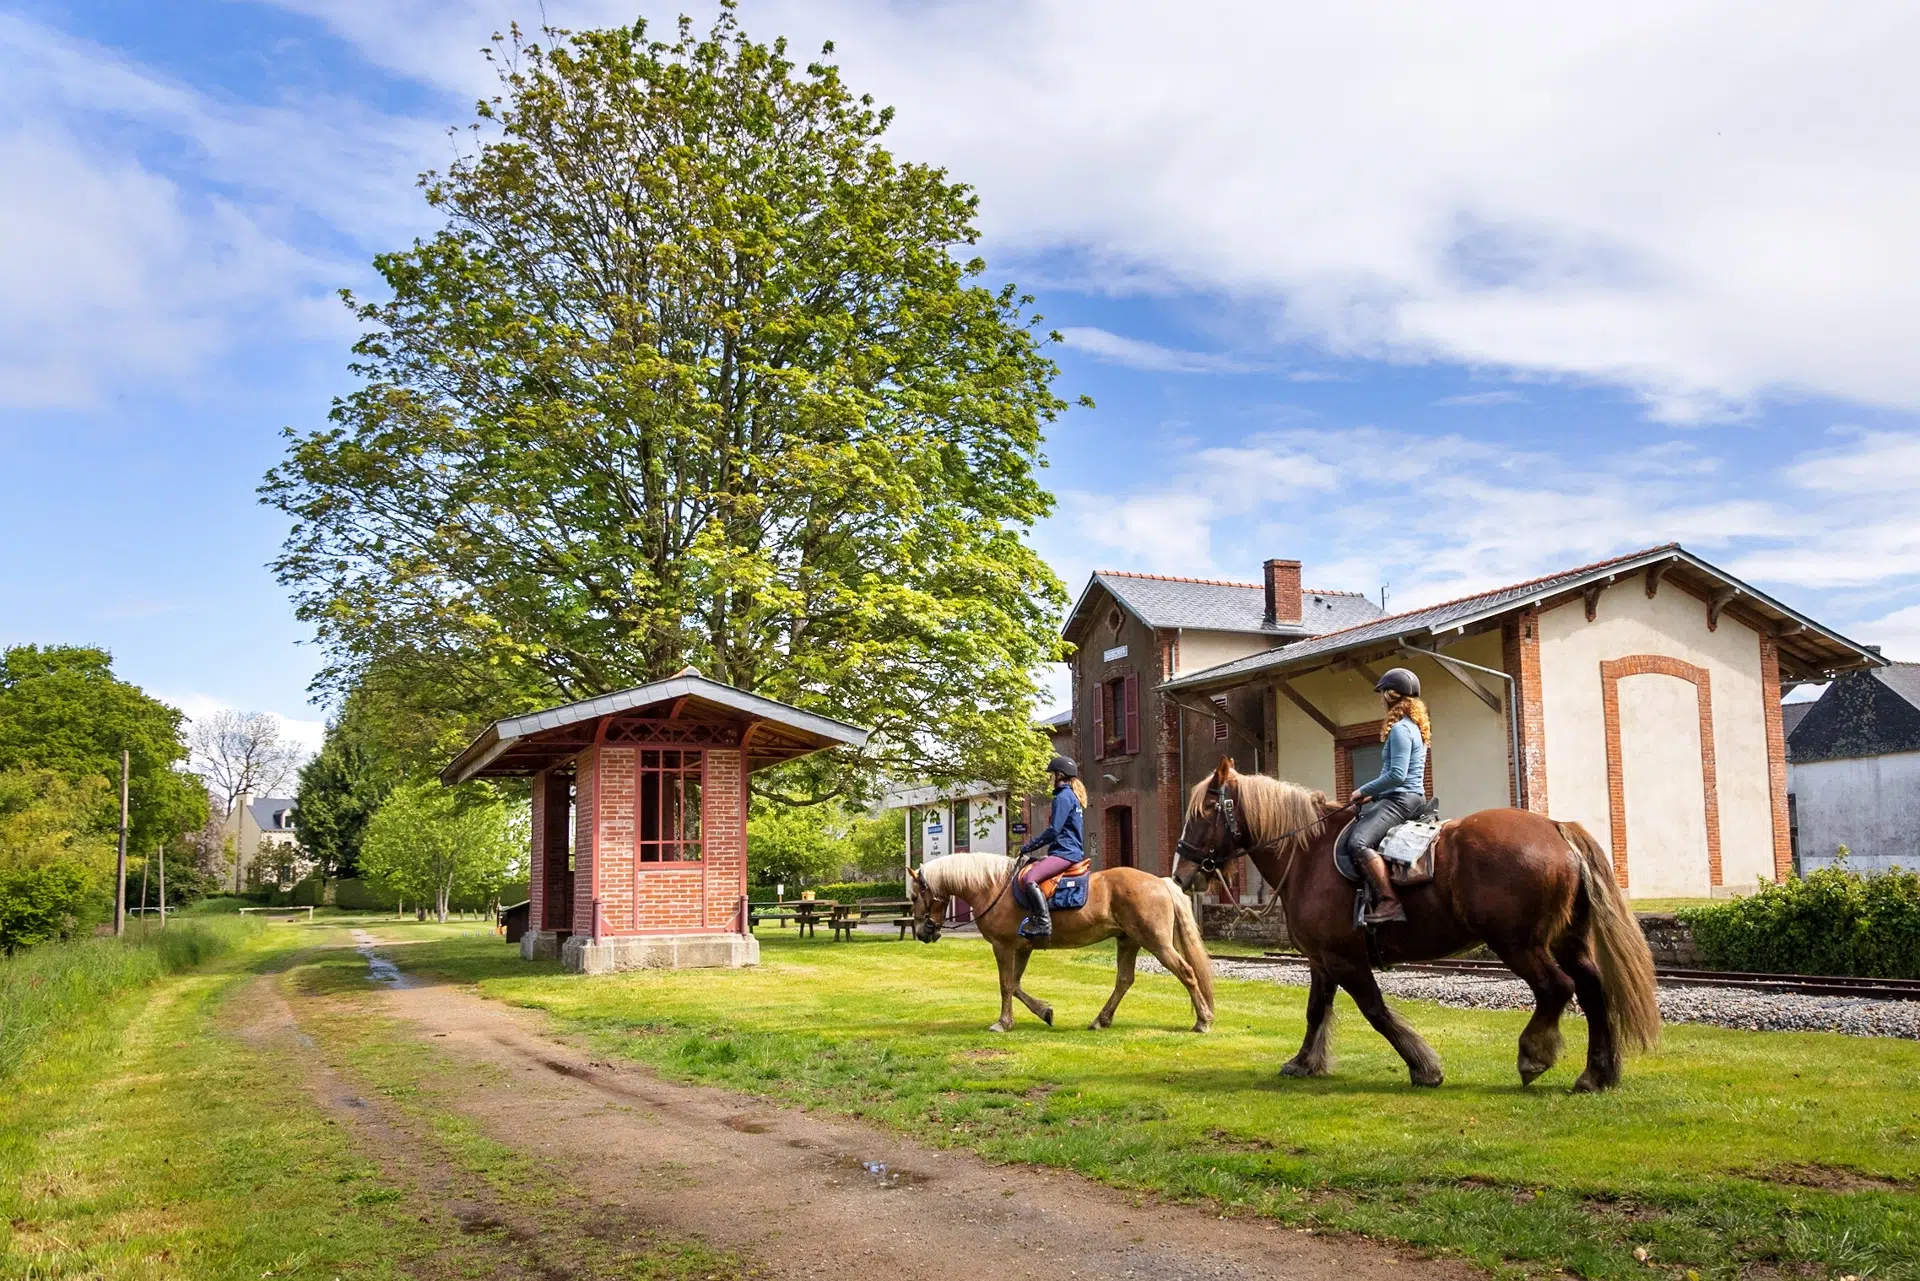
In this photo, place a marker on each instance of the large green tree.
(63, 710)
(428, 843)
(696, 371)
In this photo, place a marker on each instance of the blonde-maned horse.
(1124, 903)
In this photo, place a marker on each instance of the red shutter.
(1132, 688)
(1099, 744)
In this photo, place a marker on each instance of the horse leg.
(1169, 956)
(1423, 1065)
(1040, 1009)
(1004, 962)
(1552, 989)
(1603, 1056)
(1312, 1058)
(1127, 952)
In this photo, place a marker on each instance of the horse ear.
(1223, 771)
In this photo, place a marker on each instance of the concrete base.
(583, 955)
(542, 945)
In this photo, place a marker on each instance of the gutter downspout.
(1513, 710)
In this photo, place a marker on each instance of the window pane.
(690, 816)
(962, 827)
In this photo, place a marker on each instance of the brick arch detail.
(1611, 672)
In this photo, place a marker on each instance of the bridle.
(1213, 864)
(927, 890)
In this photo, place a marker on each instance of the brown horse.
(1541, 894)
(1139, 909)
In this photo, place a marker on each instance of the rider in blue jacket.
(1398, 794)
(1061, 840)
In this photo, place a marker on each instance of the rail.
(1797, 984)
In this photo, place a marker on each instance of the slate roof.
(1818, 643)
(1861, 714)
(1791, 714)
(1215, 605)
(263, 808)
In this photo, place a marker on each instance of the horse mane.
(1284, 815)
(961, 875)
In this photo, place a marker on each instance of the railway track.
(1797, 984)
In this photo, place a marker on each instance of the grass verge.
(1728, 1154)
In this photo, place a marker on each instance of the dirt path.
(802, 1195)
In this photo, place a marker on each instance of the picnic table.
(850, 917)
(806, 913)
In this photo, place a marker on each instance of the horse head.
(1213, 835)
(929, 909)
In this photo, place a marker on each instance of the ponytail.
(1079, 791)
(1413, 709)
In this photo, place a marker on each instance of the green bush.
(44, 988)
(851, 891)
(1832, 922)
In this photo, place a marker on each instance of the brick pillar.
(1168, 804)
(586, 839)
(537, 856)
(723, 838)
(1776, 758)
(614, 836)
(1520, 657)
(550, 870)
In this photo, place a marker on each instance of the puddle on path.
(379, 968)
(879, 1173)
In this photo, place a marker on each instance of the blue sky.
(1425, 296)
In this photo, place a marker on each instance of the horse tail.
(1626, 964)
(1187, 938)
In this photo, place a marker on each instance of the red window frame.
(668, 785)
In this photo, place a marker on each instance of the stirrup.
(1375, 916)
(1030, 928)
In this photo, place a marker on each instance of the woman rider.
(1061, 841)
(1399, 793)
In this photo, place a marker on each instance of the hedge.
(1832, 922)
(847, 891)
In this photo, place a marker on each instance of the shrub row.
(843, 891)
(1832, 922)
(46, 988)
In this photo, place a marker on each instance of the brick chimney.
(1283, 592)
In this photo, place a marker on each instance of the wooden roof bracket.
(1717, 602)
(1453, 668)
(1591, 595)
(1655, 573)
(1299, 700)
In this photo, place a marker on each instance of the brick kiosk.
(650, 783)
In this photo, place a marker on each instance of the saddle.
(1408, 849)
(1068, 890)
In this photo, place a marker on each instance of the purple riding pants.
(1034, 873)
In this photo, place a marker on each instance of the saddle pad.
(1406, 843)
(1062, 886)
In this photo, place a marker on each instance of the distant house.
(1853, 771)
(257, 825)
(953, 820)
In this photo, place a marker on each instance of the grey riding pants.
(1379, 817)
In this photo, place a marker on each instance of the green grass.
(44, 989)
(1726, 1152)
(1672, 904)
(163, 1135)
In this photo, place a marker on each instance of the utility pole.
(146, 865)
(163, 887)
(120, 870)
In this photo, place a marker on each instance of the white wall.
(1673, 624)
(1869, 804)
(1665, 787)
(1202, 649)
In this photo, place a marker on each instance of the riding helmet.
(1400, 681)
(1064, 767)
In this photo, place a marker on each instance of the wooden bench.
(851, 917)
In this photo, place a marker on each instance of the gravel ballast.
(1720, 1006)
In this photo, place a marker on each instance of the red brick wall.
(613, 848)
(586, 838)
(1166, 748)
(1658, 664)
(1520, 656)
(723, 836)
(1776, 758)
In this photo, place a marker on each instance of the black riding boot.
(1386, 905)
(1040, 924)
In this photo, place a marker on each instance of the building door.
(1117, 837)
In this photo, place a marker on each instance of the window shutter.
(1219, 725)
(1099, 744)
(1132, 689)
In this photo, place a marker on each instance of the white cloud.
(1702, 201)
(304, 734)
(1134, 353)
(1481, 399)
(152, 227)
(1898, 634)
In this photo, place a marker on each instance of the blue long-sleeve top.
(1403, 764)
(1063, 827)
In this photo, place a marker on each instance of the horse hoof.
(1530, 1072)
(1203, 1027)
(996, 1027)
(1590, 1084)
(1295, 1068)
(1097, 1026)
(1428, 1082)
(1046, 1016)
